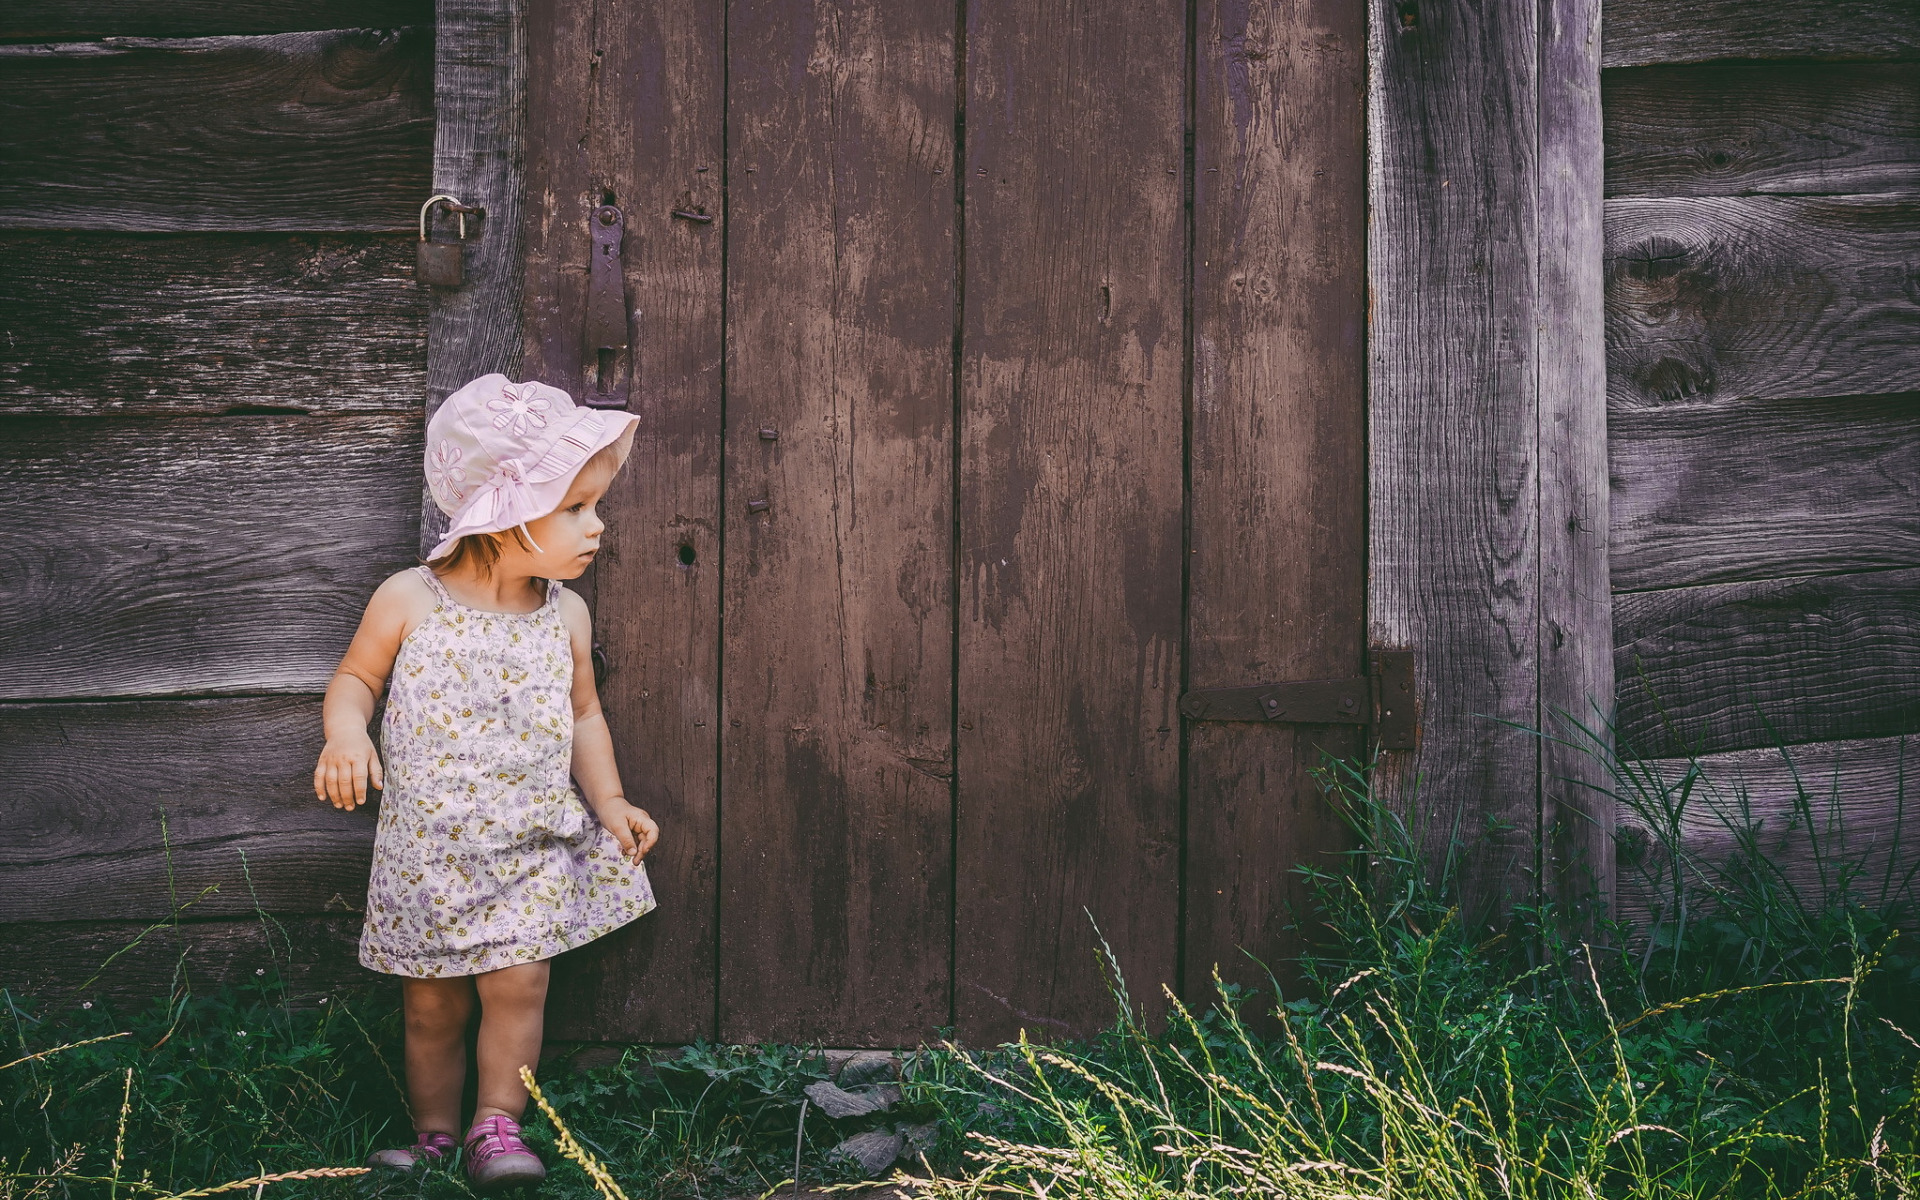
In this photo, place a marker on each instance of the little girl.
(488, 861)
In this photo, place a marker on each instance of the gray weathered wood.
(628, 99)
(1824, 817)
(479, 132)
(72, 20)
(48, 963)
(1070, 512)
(1763, 296)
(836, 753)
(1728, 130)
(128, 809)
(299, 132)
(1735, 666)
(1717, 494)
(1639, 32)
(1277, 455)
(203, 323)
(195, 555)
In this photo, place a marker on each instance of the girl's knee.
(524, 984)
(437, 1006)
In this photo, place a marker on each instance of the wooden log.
(1277, 461)
(1718, 494)
(1730, 130)
(837, 749)
(196, 555)
(127, 965)
(73, 20)
(1640, 32)
(1816, 822)
(210, 323)
(1765, 297)
(295, 132)
(654, 126)
(131, 809)
(1743, 665)
(1070, 513)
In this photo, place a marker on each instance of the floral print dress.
(487, 854)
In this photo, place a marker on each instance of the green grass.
(1757, 1040)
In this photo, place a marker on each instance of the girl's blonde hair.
(483, 549)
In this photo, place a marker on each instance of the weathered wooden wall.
(1763, 347)
(210, 417)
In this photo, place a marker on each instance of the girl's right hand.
(346, 766)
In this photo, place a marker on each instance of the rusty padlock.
(439, 263)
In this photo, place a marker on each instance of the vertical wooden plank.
(479, 105)
(1454, 563)
(627, 106)
(836, 754)
(1072, 366)
(1277, 483)
(1576, 602)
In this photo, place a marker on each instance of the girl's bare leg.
(436, 1012)
(513, 1003)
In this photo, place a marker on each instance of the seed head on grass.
(571, 1148)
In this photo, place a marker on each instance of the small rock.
(874, 1150)
(836, 1101)
(868, 1066)
(920, 1138)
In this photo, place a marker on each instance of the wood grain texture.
(479, 135)
(1640, 32)
(61, 964)
(1743, 665)
(296, 132)
(1826, 818)
(1731, 130)
(1764, 297)
(199, 323)
(1070, 512)
(1277, 455)
(1454, 555)
(195, 555)
(1719, 493)
(643, 81)
(125, 810)
(836, 761)
(72, 20)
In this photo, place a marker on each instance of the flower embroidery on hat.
(445, 475)
(518, 408)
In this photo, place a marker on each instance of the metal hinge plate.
(1382, 698)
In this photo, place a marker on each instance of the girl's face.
(569, 535)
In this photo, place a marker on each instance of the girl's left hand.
(632, 828)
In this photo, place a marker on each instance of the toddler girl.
(488, 861)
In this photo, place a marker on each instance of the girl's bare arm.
(593, 762)
(349, 763)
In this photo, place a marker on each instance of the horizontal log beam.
(206, 323)
(1728, 130)
(73, 20)
(196, 555)
(60, 965)
(296, 132)
(1639, 32)
(1746, 665)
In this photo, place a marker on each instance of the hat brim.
(547, 480)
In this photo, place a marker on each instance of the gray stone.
(836, 1101)
(873, 1150)
(868, 1066)
(920, 1138)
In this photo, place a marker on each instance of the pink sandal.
(497, 1158)
(430, 1146)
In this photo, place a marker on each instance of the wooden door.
(1000, 366)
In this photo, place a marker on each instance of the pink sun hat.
(500, 454)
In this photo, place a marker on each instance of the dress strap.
(433, 581)
(553, 592)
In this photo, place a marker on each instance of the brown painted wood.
(201, 323)
(1070, 512)
(196, 555)
(1639, 32)
(1277, 475)
(1736, 666)
(1823, 816)
(1722, 493)
(67, 963)
(1729, 130)
(837, 749)
(71, 20)
(126, 810)
(297, 132)
(626, 98)
(1766, 296)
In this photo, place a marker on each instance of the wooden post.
(1488, 522)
